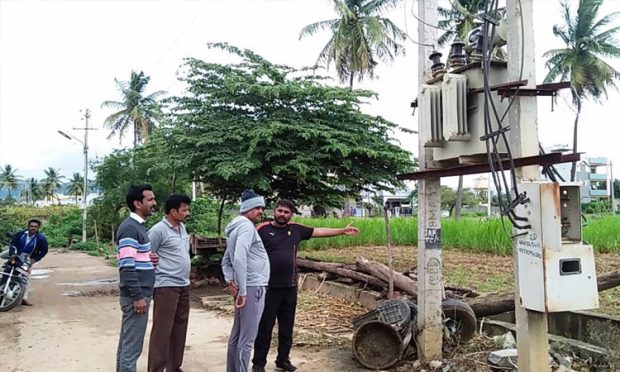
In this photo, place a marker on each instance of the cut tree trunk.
(382, 272)
(494, 304)
(340, 270)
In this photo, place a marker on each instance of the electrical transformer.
(452, 111)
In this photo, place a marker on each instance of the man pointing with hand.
(281, 238)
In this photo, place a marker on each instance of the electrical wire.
(493, 136)
(419, 20)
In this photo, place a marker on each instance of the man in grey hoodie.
(246, 270)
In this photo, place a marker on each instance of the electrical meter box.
(556, 270)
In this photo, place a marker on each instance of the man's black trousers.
(280, 304)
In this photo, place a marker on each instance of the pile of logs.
(374, 275)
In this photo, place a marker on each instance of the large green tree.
(589, 42)
(9, 179)
(278, 130)
(360, 38)
(122, 168)
(136, 111)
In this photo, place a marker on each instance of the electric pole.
(430, 284)
(85, 186)
(532, 339)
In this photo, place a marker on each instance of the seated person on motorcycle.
(31, 242)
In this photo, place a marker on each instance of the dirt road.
(74, 324)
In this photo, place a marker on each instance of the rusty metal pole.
(532, 339)
(430, 285)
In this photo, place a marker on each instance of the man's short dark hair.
(286, 203)
(38, 222)
(136, 193)
(174, 201)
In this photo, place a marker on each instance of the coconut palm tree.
(360, 37)
(32, 191)
(76, 186)
(51, 183)
(588, 44)
(140, 113)
(8, 178)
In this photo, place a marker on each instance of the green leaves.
(359, 36)
(586, 46)
(279, 130)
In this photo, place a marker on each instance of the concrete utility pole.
(85, 149)
(612, 194)
(532, 339)
(430, 284)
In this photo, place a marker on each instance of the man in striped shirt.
(137, 276)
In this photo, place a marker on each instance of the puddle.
(36, 272)
(72, 293)
(90, 282)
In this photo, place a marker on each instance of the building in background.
(594, 174)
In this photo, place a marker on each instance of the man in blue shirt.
(31, 242)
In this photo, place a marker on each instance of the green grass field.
(470, 234)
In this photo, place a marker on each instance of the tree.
(581, 61)
(9, 179)
(76, 186)
(360, 36)
(278, 130)
(448, 199)
(139, 112)
(32, 191)
(122, 168)
(461, 19)
(51, 182)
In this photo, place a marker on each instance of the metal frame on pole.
(430, 285)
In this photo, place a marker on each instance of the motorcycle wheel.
(13, 297)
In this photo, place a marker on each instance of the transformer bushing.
(438, 68)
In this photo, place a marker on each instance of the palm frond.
(312, 28)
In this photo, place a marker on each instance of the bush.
(596, 207)
(62, 230)
(203, 217)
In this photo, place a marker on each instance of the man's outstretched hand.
(351, 230)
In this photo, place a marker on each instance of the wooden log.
(381, 271)
(494, 304)
(340, 270)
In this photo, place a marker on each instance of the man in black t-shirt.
(281, 239)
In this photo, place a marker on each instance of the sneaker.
(256, 368)
(26, 303)
(286, 366)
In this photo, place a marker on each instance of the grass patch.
(501, 283)
(468, 234)
(93, 249)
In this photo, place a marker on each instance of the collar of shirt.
(137, 218)
(170, 225)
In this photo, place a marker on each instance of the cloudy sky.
(60, 57)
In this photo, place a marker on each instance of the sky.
(58, 58)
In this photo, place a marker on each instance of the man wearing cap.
(246, 270)
(281, 238)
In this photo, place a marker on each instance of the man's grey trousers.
(244, 330)
(133, 328)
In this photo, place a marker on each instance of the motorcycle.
(14, 281)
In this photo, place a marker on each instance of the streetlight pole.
(85, 186)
